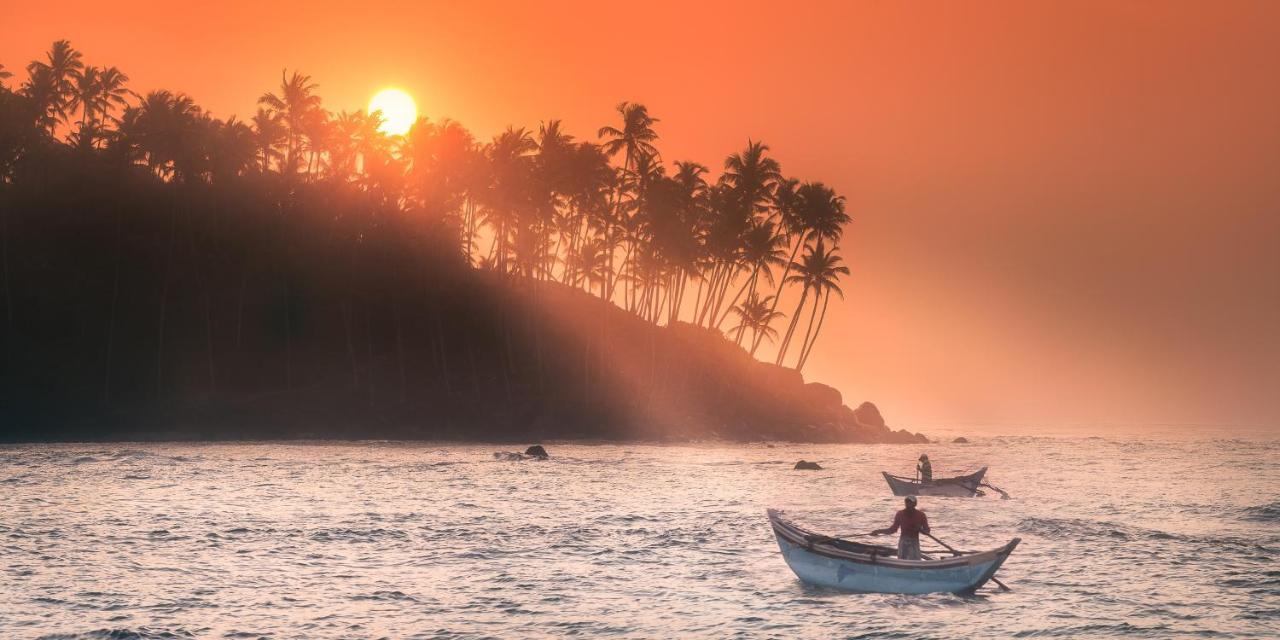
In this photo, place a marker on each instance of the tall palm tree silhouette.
(84, 97)
(295, 106)
(268, 134)
(510, 158)
(763, 248)
(635, 139)
(818, 271)
(810, 212)
(748, 182)
(53, 81)
(164, 133)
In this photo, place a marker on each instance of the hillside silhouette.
(171, 275)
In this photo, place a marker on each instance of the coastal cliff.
(138, 309)
(474, 356)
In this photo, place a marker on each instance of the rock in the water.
(961, 440)
(536, 451)
(805, 465)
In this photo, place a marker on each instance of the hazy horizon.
(1062, 215)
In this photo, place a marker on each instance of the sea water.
(1131, 535)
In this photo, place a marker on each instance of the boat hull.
(958, 487)
(827, 565)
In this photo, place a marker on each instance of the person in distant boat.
(911, 521)
(925, 469)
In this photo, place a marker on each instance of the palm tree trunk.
(351, 345)
(288, 337)
(713, 284)
(750, 283)
(208, 336)
(795, 318)
(164, 293)
(777, 296)
(111, 319)
(400, 354)
(369, 364)
(444, 355)
(804, 357)
(8, 291)
(726, 280)
(244, 276)
(697, 300)
(804, 344)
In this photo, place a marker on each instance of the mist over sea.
(1123, 534)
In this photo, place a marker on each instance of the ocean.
(1126, 535)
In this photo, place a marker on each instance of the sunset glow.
(398, 111)
(665, 319)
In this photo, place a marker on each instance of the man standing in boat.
(925, 469)
(911, 521)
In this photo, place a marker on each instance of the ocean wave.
(386, 596)
(141, 633)
(1076, 528)
(357, 535)
(1080, 529)
(1262, 513)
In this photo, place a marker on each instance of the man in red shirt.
(911, 521)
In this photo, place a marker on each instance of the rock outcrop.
(805, 465)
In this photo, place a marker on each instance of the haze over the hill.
(1061, 213)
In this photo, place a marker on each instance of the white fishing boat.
(853, 566)
(957, 487)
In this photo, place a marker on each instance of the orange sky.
(1065, 212)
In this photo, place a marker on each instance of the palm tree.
(590, 181)
(747, 186)
(444, 164)
(818, 271)
(165, 132)
(755, 314)
(4, 75)
(636, 136)
(751, 177)
(763, 247)
(84, 97)
(340, 161)
(635, 139)
(809, 212)
(268, 133)
(295, 106)
(317, 130)
(233, 151)
(508, 195)
(52, 82)
(110, 95)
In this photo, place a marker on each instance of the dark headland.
(448, 353)
(166, 274)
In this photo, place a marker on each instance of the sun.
(398, 111)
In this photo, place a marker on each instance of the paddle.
(960, 553)
(1003, 495)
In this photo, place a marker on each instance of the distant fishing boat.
(957, 487)
(852, 566)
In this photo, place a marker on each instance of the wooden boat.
(853, 566)
(957, 487)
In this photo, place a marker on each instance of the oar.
(960, 553)
(1003, 495)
